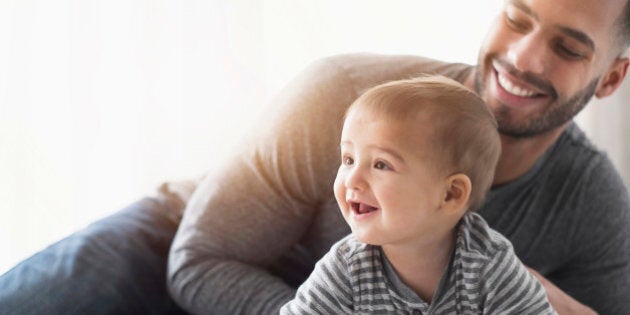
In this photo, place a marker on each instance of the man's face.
(543, 60)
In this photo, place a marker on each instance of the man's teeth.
(513, 89)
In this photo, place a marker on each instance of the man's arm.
(563, 303)
(258, 206)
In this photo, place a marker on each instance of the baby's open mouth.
(361, 208)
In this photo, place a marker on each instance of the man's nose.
(528, 54)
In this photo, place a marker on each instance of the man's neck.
(518, 155)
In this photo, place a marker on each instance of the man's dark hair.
(624, 26)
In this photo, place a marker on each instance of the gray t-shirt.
(569, 219)
(483, 276)
(252, 232)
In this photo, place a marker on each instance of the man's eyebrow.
(523, 7)
(571, 32)
(578, 35)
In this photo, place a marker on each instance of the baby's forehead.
(411, 130)
(425, 117)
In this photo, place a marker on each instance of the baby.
(417, 157)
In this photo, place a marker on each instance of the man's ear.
(613, 78)
(458, 188)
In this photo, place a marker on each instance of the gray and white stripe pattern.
(483, 277)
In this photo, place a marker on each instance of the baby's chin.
(366, 237)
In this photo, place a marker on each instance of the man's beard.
(558, 111)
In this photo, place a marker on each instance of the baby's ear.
(458, 188)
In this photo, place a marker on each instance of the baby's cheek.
(339, 190)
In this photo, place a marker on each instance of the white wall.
(100, 101)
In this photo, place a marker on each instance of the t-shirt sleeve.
(510, 289)
(328, 290)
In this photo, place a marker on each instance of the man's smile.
(512, 88)
(516, 89)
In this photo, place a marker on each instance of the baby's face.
(388, 187)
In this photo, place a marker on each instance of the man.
(253, 231)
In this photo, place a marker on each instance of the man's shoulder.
(365, 70)
(575, 140)
(384, 63)
(576, 159)
(572, 167)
